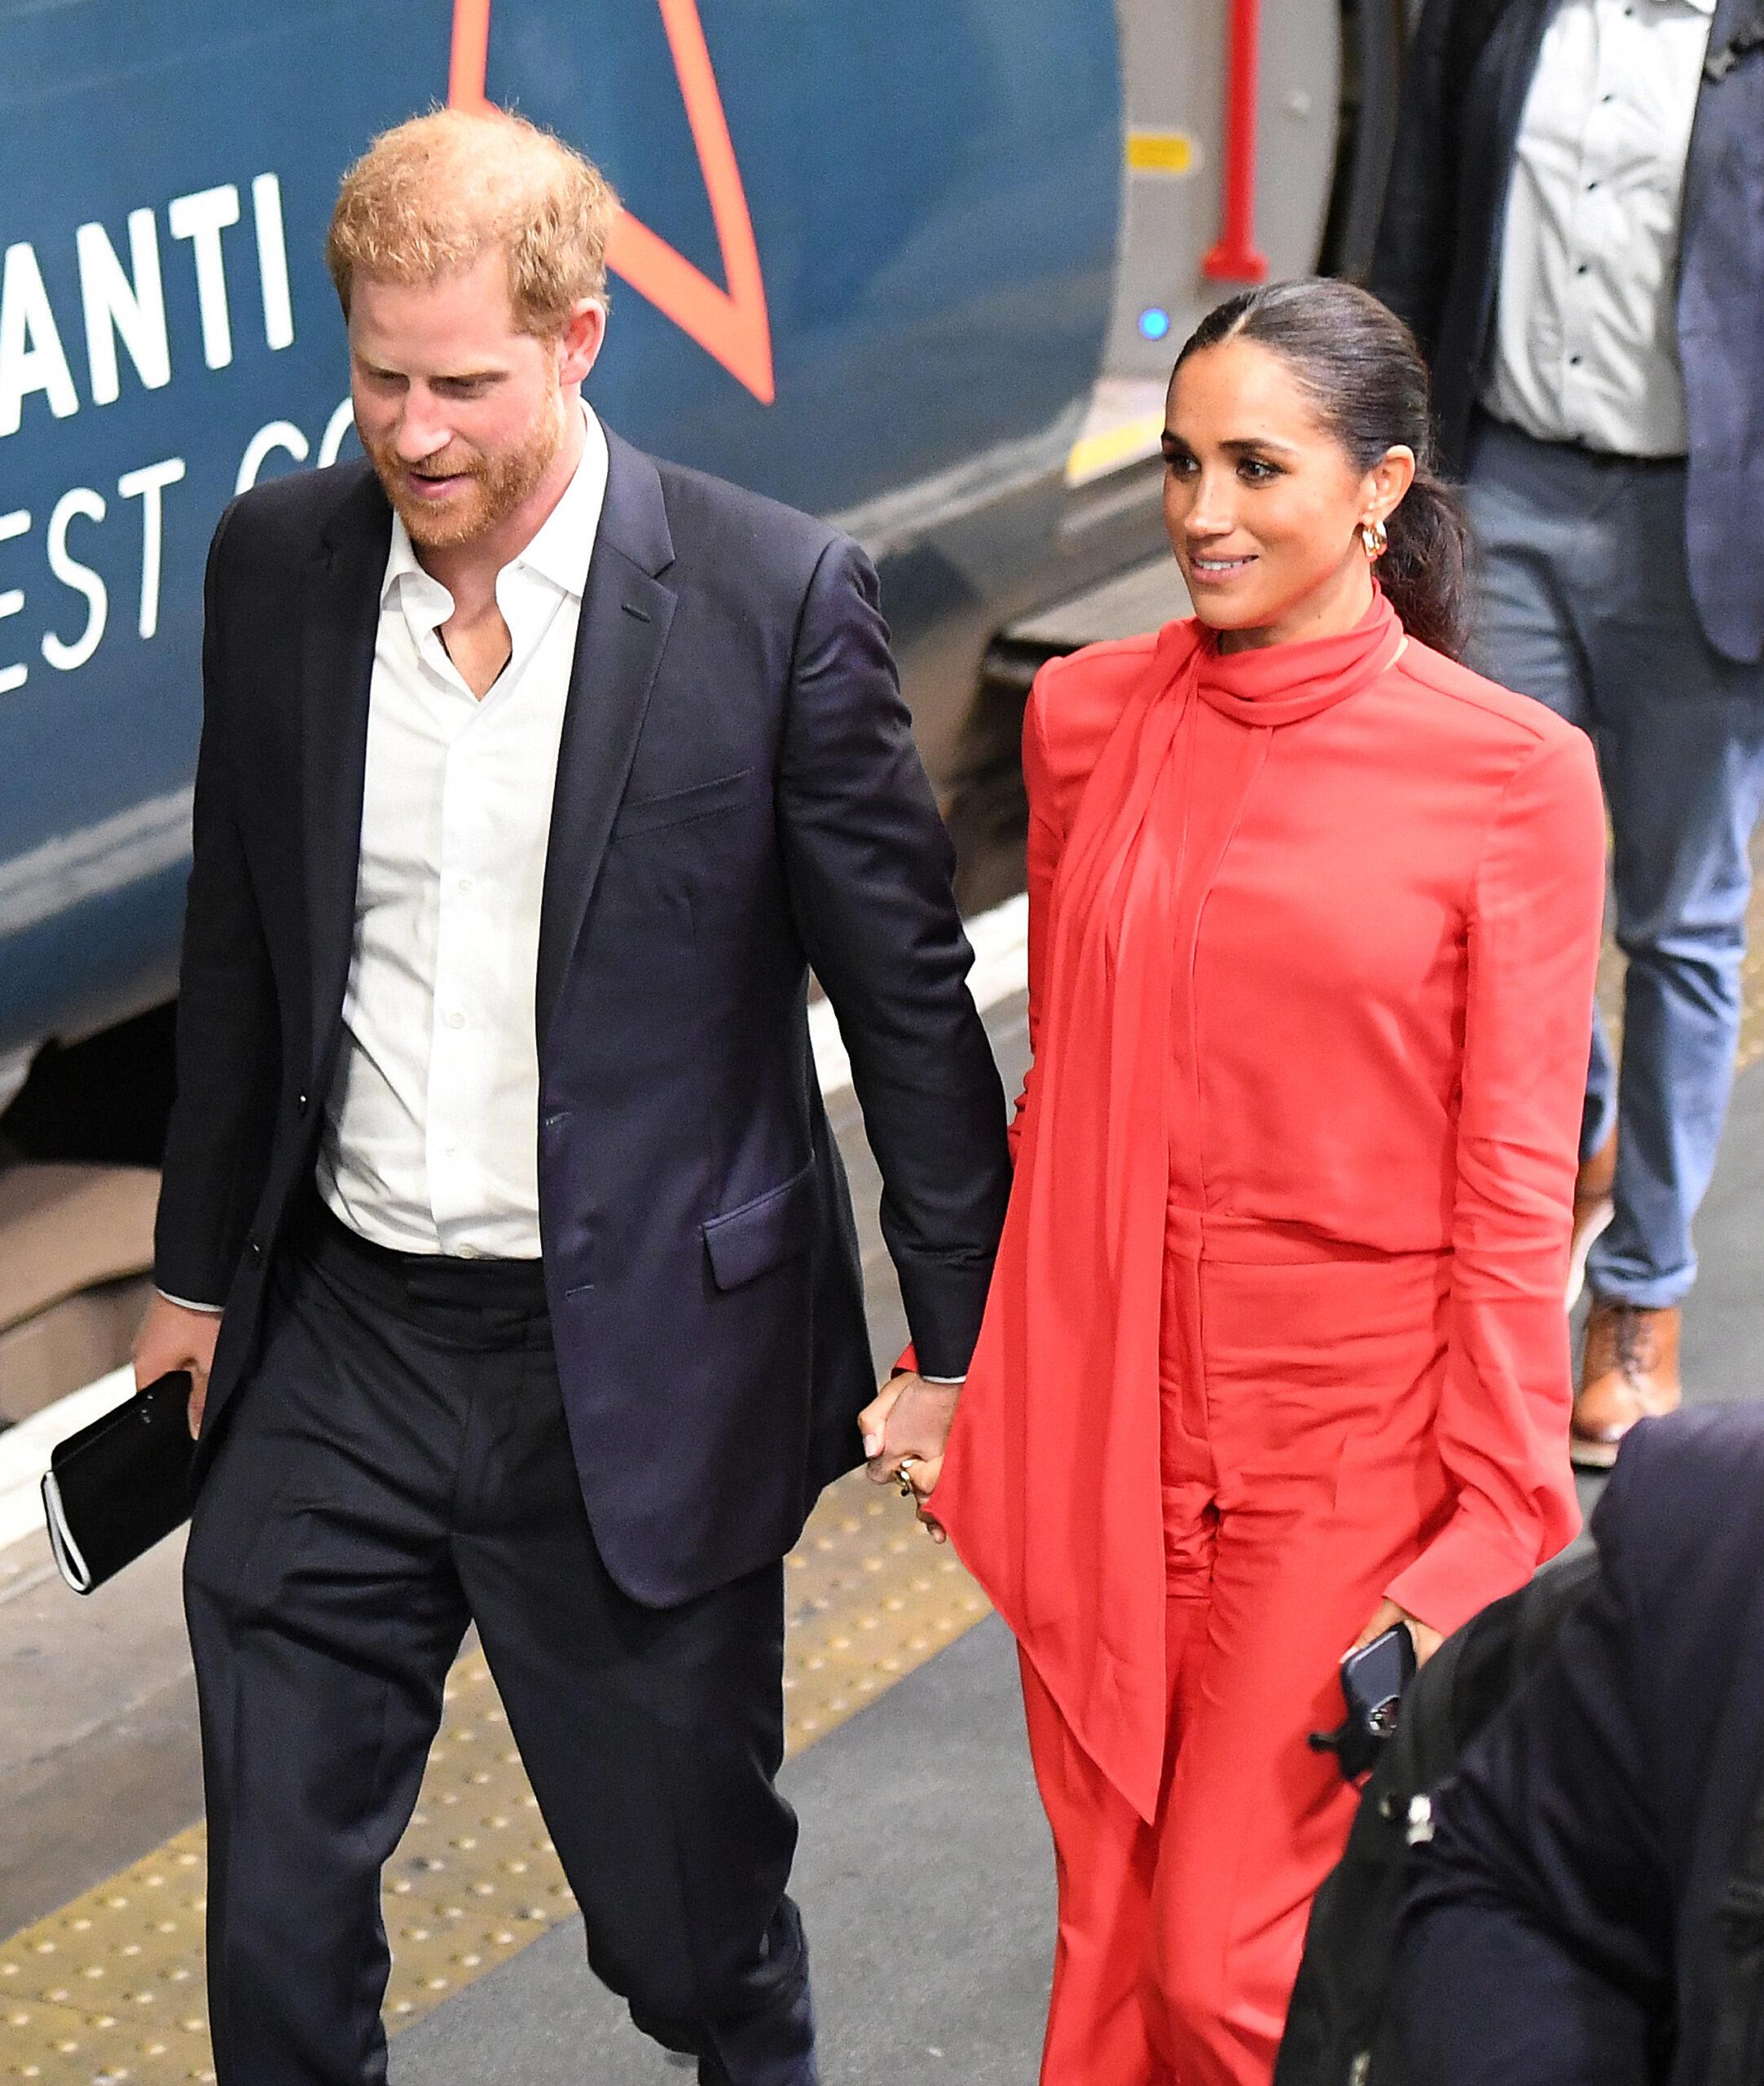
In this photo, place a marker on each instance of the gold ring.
(907, 1491)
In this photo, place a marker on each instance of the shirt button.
(463, 883)
(467, 1252)
(455, 1019)
(450, 1146)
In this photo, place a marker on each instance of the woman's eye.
(1181, 467)
(1256, 471)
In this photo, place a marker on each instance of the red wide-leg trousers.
(1299, 1382)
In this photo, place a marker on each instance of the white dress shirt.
(431, 1138)
(1585, 336)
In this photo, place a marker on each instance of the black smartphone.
(1373, 1678)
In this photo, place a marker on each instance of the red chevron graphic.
(733, 324)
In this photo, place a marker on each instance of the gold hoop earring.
(1375, 538)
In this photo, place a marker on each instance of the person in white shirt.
(501, 1227)
(1573, 231)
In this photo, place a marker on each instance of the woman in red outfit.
(1274, 1356)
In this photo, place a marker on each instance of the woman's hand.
(909, 1422)
(1388, 1615)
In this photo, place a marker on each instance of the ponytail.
(1423, 572)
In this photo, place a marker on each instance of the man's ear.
(584, 333)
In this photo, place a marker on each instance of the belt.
(1609, 459)
(470, 1281)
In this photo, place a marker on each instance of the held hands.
(172, 1337)
(910, 1418)
(1388, 1614)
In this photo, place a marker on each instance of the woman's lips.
(1216, 571)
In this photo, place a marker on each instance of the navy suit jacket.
(1437, 265)
(1564, 1926)
(738, 798)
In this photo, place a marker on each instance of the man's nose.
(421, 432)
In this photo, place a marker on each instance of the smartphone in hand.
(1373, 1678)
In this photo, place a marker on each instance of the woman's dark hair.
(1360, 365)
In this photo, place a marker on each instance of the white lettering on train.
(201, 218)
(272, 260)
(69, 569)
(278, 434)
(148, 484)
(130, 305)
(126, 303)
(13, 599)
(32, 358)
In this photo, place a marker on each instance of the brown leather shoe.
(1594, 1209)
(1629, 1371)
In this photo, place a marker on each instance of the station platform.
(925, 1872)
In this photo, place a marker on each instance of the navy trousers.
(397, 1468)
(1583, 602)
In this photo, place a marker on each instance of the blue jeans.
(1582, 601)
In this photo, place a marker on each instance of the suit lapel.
(1708, 133)
(1526, 32)
(341, 621)
(626, 615)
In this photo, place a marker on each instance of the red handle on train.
(1236, 258)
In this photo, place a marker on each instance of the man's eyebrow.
(440, 376)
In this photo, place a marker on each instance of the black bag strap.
(1738, 2028)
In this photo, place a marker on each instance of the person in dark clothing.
(1573, 232)
(1566, 1924)
(501, 1226)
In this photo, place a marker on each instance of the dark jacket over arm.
(1564, 1929)
(229, 1056)
(868, 865)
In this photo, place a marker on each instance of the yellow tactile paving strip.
(109, 1989)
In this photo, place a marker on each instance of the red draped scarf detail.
(1050, 1491)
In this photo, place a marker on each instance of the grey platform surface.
(925, 1878)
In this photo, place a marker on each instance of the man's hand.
(910, 1418)
(172, 1337)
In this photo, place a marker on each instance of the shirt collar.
(1698, 6)
(564, 543)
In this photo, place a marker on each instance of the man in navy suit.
(501, 1224)
(1571, 1923)
(1572, 230)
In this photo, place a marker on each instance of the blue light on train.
(1155, 322)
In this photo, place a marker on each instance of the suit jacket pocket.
(761, 1234)
(675, 807)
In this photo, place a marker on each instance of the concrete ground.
(926, 1881)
